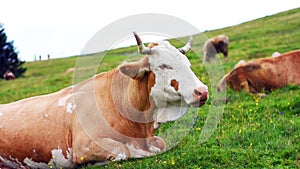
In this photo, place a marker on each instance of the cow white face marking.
(169, 66)
(176, 86)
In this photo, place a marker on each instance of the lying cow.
(264, 74)
(215, 45)
(8, 75)
(275, 54)
(112, 116)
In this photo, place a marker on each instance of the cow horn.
(187, 47)
(142, 48)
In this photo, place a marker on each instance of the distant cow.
(8, 75)
(275, 54)
(215, 45)
(111, 116)
(264, 74)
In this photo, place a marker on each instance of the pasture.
(253, 132)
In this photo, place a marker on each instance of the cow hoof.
(119, 157)
(154, 149)
(156, 145)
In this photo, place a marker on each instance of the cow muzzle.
(201, 96)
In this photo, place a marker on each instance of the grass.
(253, 132)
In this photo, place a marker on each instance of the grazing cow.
(112, 116)
(215, 45)
(264, 74)
(8, 75)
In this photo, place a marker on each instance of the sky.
(62, 28)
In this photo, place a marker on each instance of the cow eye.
(165, 66)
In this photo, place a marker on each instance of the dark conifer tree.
(9, 60)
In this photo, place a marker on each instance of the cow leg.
(157, 144)
(118, 151)
(111, 149)
(101, 150)
(154, 145)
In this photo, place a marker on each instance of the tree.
(9, 60)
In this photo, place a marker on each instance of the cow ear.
(135, 70)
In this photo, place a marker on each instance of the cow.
(275, 54)
(215, 45)
(8, 75)
(263, 74)
(111, 116)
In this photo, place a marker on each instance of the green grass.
(253, 132)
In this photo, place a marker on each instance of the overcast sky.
(63, 27)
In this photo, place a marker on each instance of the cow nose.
(201, 94)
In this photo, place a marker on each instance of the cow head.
(221, 87)
(176, 87)
(237, 80)
(221, 44)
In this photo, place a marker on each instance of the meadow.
(253, 132)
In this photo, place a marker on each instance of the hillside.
(253, 133)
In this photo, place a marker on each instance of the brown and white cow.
(215, 45)
(264, 74)
(111, 116)
(9, 75)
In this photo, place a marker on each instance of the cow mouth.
(200, 98)
(198, 103)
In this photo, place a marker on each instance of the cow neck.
(127, 101)
(134, 96)
(140, 92)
